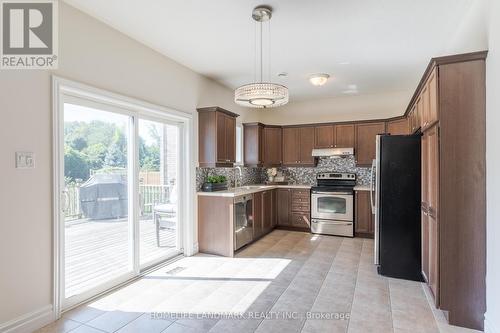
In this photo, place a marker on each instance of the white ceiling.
(377, 45)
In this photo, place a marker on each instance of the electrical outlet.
(25, 160)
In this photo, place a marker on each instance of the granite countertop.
(362, 188)
(243, 190)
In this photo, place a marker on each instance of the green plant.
(216, 179)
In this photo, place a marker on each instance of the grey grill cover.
(104, 196)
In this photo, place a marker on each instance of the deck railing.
(149, 196)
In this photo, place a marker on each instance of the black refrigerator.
(398, 200)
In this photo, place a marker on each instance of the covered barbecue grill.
(104, 196)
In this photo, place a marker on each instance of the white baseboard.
(490, 326)
(29, 322)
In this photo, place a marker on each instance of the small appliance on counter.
(396, 203)
(332, 204)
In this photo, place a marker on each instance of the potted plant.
(215, 183)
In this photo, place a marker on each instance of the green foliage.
(117, 151)
(95, 155)
(75, 165)
(99, 145)
(216, 179)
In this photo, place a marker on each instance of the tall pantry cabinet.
(451, 102)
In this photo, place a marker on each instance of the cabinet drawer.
(301, 201)
(300, 194)
(301, 208)
(300, 220)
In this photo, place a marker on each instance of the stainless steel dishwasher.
(243, 221)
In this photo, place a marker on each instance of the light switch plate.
(25, 160)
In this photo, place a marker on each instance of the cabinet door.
(344, 136)
(291, 151)
(252, 144)
(398, 127)
(363, 225)
(323, 136)
(283, 205)
(306, 145)
(272, 146)
(432, 139)
(433, 271)
(418, 113)
(257, 215)
(230, 133)
(425, 107)
(365, 142)
(414, 125)
(432, 84)
(221, 137)
(425, 244)
(274, 216)
(267, 201)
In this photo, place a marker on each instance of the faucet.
(236, 179)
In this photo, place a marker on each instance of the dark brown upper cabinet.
(366, 134)
(334, 136)
(272, 146)
(262, 145)
(344, 136)
(291, 152)
(216, 137)
(298, 143)
(324, 136)
(398, 127)
(253, 144)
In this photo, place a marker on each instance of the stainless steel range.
(332, 204)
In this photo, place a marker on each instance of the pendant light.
(261, 94)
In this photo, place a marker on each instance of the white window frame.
(138, 109)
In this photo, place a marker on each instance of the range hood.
(332, 152)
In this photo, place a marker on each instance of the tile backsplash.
(294, 175)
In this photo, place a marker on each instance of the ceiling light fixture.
(318, 79)
(261, 94)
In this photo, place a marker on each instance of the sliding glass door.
(119, 196)
(158, 190)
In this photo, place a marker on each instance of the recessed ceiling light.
(282, 74)
(318, 79)
(351, 89)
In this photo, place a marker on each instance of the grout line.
(355, 286)
(324, 279)
(278, 298)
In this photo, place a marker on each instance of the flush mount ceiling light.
(318, 79)
(261, 94)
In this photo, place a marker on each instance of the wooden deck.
(98, 251)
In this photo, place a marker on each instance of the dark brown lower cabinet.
(425, 244)
(283, 206)
(267, 211)
(258, 229)
(364, 219)
(274, 215)
(294, 208)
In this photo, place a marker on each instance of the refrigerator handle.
(372, 186)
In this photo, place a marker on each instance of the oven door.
(332, 206)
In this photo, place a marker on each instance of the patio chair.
(165, 215)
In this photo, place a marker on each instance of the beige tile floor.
(285, 282)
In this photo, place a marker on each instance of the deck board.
(98, 251)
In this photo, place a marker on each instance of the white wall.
(343, 108)
(92, 53)
(493, 176)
